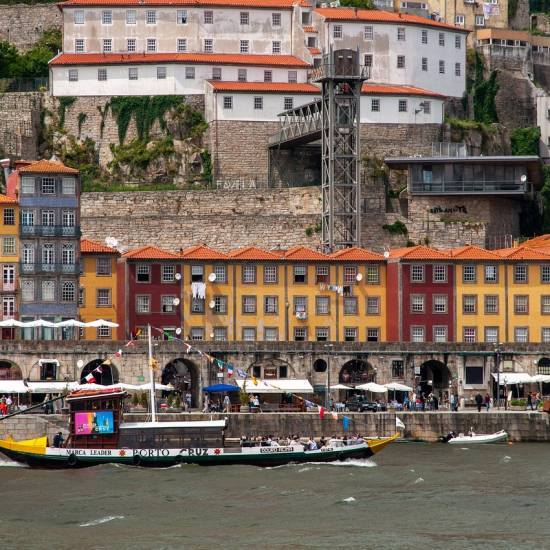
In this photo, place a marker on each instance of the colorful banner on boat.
(100, 422)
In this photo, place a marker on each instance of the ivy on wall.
(525, 141)
(64, 103)
(484, 92)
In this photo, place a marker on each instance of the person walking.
(452, 402)
(226, 404)
(479, 402)
(530, 401)
(487, 401)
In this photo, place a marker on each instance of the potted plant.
(143, 399)
(136, 403)
(244, 399)
(518, 404)
(177, 403)
(170, 401)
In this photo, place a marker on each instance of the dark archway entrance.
(183, 374)
(543, 367)
(107, 377)
(356, 371)
(434, 378)
(10, 371)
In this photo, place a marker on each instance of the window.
(491, 274)
(480, 20)
(424, 37)
(48, 186)
(427, 106)
(442, 39)
(249, 304)
(474, 375)
(417, 273)
(424, 63)
(402, 106)
(8, 246)
(131, 44)
(373, 334)
(216, 73)
(469, 274)
(48, 254)
(9, 216)
(103, 266)
(271, 334)
(167, 304)
(221, 274)
(440, 303)
(168, 273)
(103, 332)
(521, 334)
(288, 103)
(417, 303)
(244, 46)
(337, 31)
(103, 297)
(300, 274)
(258, 103)
(79, 45)
(79, 17)
(68, 218)
(276, 19)
(27, 218)
(151, 44)
(151, 17)
(457, 69)
(400, 61)
(322, 334)
(228, 102)
(102, 75)
(321, 274)
(48, 291)
(143, 274)
(322, 305)
(81, 297)
(375, 105)
(373, 275)
(491, 304)
(397, 368)
(27, 290)
(491, 335)
(196, 334)
(68, 291)
(249, 334)
(545, 305)
(27, 185)
(441, 66)
(350, 334)
(107, 45)
(270, 274)
(350, 305)
(300, 305)
(181, 17)
(189, 73)
(197, 273)
(458, 41)
(208, 45)
(132, 73)
(271, 305)
(48, 218)
(131, 17)
(241, 75)
(292, 77)
(220, 304)
(545, 273)
(350, 274)
(545, 337)
(417, 334)
(73, 75)
(300, 334)
(245, 18)
(459, 21)
(220, 334)
(469, 335)
(268, 76)
(521, 304)
(208, 17)
(520, 274)
(368, 33)
(368, 60)
(249, 274)
(400, 33)
(197, 305)
(276, 47)
(439, 273)
(107, 17)
(373, 305)
(8, 274)
(469, 303)
(8, 306)
(28, 253)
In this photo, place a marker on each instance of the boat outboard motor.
(448, 437)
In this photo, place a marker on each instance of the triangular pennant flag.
(254, 380)
(345, 422)
(129, 344)
(90, 379)
(106, 362)
(321, 411)
(98, 369)
(334, 415)
(229, 371)
(118, 353)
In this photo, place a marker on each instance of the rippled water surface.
(409, 496)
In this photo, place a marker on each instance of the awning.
(276, 386)
(544, 378)
(372, 387)
(220, 388)
(51, 387)
(396, 386)
(511, 378)
(13, 386)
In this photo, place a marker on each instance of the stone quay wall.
(23, 24)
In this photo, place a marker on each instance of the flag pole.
(151, 376)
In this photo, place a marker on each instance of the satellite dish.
(178, 331)
(177, 276)
(212, 277)
(176, 301)
(386, 254)
(212, 304)
(359, 277)
(211, 335)
(80, 363)
(523, 178)
(111, 241)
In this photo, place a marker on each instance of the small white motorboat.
(469, 439)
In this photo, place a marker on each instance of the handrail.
(476, 186)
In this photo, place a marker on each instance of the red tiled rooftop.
(47, 167)
(384, 89)
(277, 4)
(89, 247)
(265, 87)
(253, 253)
(202, 252)
(304, 253)
(150, 253)
(192, 58)
(356, 254)
(523, 254)
(472, 252)
(309, 28)
(314, 51)
(418, 252)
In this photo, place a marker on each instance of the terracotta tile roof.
(471, 252)
(47, 167)
(379, 16)
(266, 87)
(535, 242)
(279, 4)
(356, 254)
(304, 253)
(418, 253)
(310, 28)
(191, 58)
(384, 89)
(150, 253)
(4, 199)
(523, 254)
(93, 247)
(314, 51)
(253, 253)
(202, 252)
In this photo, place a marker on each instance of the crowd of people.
(6, 405)
(311, 444)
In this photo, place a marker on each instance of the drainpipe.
(5, 164)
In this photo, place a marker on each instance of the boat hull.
(48, 457)
(479, 439)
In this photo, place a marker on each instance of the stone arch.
(320, 365)
(107, 377)
(356, 371)
(184, 375)
(543, 365)
(434, 378)
(10, 371)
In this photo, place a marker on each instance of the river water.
(408, 496)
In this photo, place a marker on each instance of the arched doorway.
(543, 367)
(356, 371)
(107, 377)
(434, 378)
(10, 371)
(183, 374)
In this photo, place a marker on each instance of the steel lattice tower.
(341, 76)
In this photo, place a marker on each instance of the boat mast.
(151, 377)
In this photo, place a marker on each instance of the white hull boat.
(478, 438)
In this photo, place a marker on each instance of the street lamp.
(327, 392)
(497, 366)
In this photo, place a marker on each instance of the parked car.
(359, 403)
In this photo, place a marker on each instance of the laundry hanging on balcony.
(198, 290)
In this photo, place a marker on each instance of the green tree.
(525, 141)
(363, 4)
(8, 59)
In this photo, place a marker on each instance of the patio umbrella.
(372, 387)
(396, 386)
(340, 387)
(219, 388)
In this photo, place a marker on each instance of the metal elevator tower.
(341, 76)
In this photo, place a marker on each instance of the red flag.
(321, 412)
(118, 353)
(98, 370)
(229, 371)
(90, 379)
(129, 344)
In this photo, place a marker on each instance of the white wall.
(543, 122)
(117, 82)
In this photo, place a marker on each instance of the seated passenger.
(360, 439)
(312, 445)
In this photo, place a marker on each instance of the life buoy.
(72, 460)
(136, 461)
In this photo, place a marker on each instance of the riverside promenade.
(425, 426)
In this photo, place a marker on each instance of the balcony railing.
(50, 230)
(72, 269)
(8, 287)
(502, 187)
(24, 84)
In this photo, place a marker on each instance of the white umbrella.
(396, 386)
(71, 323)
(372, 387)
(544, 378)
(11, 323)
(101, 323)
(340, 387)
(158, 387)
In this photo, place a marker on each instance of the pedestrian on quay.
(188, 398)
(452, 402)
(530, 401)
(456, 402)
(479, 402)
(413, 401)
(9, 403)
(206, 401)
(3, 407)
(487, 401)
(226, 404)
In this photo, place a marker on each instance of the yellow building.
(98, 298)
(9, 257)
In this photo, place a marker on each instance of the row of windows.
(150, 17)
(48, 253)
(470, 334)
(48, 218)
(47, 291)
(439, 273)
(102, 297)
(491, 304)
(401, 64)
(47, 186)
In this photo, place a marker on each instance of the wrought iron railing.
(41, 267)
(470, 187)
(50, 230)
(299, 122)
(24, 84)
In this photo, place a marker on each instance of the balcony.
(37, 268)
(8, 287)
(50, 231)
(506, 187)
